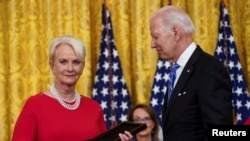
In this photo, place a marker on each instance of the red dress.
(44, 119)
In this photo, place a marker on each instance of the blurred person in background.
(142, 113)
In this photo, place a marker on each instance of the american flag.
(226, 52)
(110, 88)
(159, 87)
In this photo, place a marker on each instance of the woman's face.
(140, 115)
(66, 66)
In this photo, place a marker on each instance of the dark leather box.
(112, 134)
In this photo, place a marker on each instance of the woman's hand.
(126, 136)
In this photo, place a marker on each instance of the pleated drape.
(27, 26)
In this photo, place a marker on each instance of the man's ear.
(176, 32)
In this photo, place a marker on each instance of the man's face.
(162, 39)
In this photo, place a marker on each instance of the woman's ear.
(51, 64)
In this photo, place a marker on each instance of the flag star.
(113, 41)
(238, 91)
(221, 26)
(115, 67)
(124, 92)
(103, 27)
(219, 50)
(106, 65)
(239, 78)
(231, 64)
(158, 77)
(239, 66)
(232, 77)
(105, 79)
(115, 105)
(106, 53)
(225, 11)
(162, 101)
(153, 102)
(220, 36)
(104, 104)
(104, 91)
(115, 79)
(238, 104)
(225, 62)
(232, 51)
(160, 116)
(115, 92)
(164, 90)
(94, 92)
(239, 116)
(167, 65)
(112, 118)
(105, 116)
(108, 26)
(123, 117)
(156, 89)
(231, 38)
(96, 79)
(166, 77)
(247, 105)
(124, 105)
(246, 92)
(123, 81)
(160, 64)
(98, 66)
(115, 53)
(226, 24)
(106, 39)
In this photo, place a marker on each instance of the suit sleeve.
(215, 95)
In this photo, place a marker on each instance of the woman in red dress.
(61, 113)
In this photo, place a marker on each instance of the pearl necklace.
(66, 103)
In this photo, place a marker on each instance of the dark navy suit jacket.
(202, 97)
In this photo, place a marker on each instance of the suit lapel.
(183, 80)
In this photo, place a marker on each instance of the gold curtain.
(26, 26)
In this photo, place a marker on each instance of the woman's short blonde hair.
(76, 44)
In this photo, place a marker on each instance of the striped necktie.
(171, 80)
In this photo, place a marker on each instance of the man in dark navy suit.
(202, 93)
